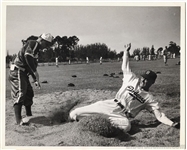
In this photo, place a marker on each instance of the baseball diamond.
(49, 125)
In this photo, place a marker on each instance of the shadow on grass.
(176, 119)
(136, 126)
(41, 120)
(124, 137)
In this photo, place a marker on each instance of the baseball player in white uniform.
(131, 98)
(101, 60)
(87, 60)
(56, 61)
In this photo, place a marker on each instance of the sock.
(28, 110)
(17, 111)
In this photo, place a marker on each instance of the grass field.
(55, 99)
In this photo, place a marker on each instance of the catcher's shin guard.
(17, 111)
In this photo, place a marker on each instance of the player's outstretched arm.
(163, 119)
(125, 63)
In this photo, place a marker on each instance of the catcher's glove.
(176, 125)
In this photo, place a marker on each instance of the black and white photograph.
(89, 74)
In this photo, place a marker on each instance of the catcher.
(131, 98)
(25, 64)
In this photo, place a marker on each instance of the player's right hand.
(37, 84)
(128, 46)
(176, 125)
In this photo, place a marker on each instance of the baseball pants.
(107, 108)
(165, 58)
(21, 89)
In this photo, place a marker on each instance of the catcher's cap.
(47, 37)
(150, 75)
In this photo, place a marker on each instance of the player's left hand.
(37, 84)
(176, 125)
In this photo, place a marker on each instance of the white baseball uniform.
(101, 60)
(56, 61)
(130, 95)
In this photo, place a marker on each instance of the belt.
(119, 104)
(123, 108)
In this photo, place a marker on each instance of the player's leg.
(14, 82)
(100, 107)
(17, 112)
(84, 111)
(165, 59)
(18, 90)
(28, 102)
(121, 122)
(29, 99)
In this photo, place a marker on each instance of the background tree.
(159, 52)
(65, 46)
(136, 52)
(174, 48)
(94, 51)
(120, 54)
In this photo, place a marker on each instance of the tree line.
(173, 48)
(67, 48)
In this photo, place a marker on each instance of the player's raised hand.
(127, 47)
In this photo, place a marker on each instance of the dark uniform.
(25, 64)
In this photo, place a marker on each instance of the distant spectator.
(56, 61)
(173, 55)
(87, 60)
(136, 57)
(151, 53)
(101, 60)
(165, 53)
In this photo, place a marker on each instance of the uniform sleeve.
(125, 64)
(30, 60)
(162, 117)
(128, 75)
(153, 107)
(31, 63)
(151, 104)
(29, 51)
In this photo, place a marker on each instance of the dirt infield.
(47, 108)
(49, 126)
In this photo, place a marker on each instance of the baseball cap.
(47, 36)
(149, 75)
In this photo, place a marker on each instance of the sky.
(142, 26)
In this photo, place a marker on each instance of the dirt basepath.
(49, 113)
(49, 126)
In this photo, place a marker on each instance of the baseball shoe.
(27, 118)
(72, 119)
(24, 123)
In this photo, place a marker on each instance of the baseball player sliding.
(24, 65)
(131, 98)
